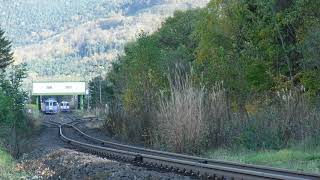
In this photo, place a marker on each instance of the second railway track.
(184, 164)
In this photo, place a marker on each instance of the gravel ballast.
(53, 159)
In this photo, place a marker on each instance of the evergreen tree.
(6, 56)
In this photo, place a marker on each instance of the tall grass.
(193, 118)
(181, 116)
(218, 117)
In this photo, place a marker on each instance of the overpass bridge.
(76, 89)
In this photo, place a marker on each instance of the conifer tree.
(6, 56)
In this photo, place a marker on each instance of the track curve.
(188, 165)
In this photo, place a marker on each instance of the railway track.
(184, 164)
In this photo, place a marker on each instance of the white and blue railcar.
(64, 106)
(51, 106)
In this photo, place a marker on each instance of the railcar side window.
(47, 103)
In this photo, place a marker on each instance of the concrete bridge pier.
(80, 101)
(38, 99)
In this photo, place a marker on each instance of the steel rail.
(182, 166)
(249, 167)
(285, 174)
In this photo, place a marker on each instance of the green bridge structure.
(59, 88)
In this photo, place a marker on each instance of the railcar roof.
(50, 100)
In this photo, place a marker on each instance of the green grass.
(7, 167)
(301, 159)
(5, 158)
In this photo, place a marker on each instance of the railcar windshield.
(47, 103)
(65, 104)
(55, 103)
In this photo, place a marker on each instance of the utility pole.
(88, 99)
(100, 79)
(100, 83)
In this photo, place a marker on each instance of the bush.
(290, 119)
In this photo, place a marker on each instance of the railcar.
(51, 106)
(64, 106)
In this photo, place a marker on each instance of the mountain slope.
(69, 37)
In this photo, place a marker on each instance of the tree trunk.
(15, 151)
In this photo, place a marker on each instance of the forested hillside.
(50, 35)
(234, 74)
